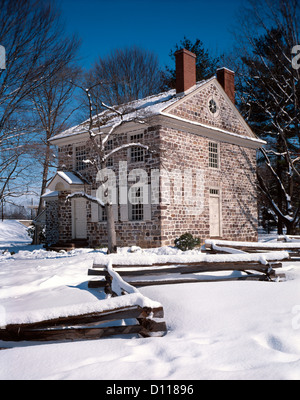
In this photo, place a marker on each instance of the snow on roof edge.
(70, 178)
(159, 102)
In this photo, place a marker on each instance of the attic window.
(213, 106)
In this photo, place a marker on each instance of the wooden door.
(79, 219)
(215, 213)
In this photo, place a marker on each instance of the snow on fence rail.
(289, 238)
(92, 320)
(292, 248)
(142, 271)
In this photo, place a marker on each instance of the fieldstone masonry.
(195, 109)
(52, 224)
(176, 151)
(236, 180)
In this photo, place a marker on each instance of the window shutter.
(124, 212)
(147, 207)
(123, 202)
(116, 212)
(94, 209)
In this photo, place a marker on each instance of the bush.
(187, 242)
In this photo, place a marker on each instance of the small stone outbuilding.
(201, 178)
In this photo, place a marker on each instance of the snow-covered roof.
(143, 108)
(66, 178)
(70, 178)
(50, 194)
(160, 105)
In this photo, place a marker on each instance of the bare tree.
(53, 107)
(100, 151)
(268, 88)
(125, 75)
(32, 36)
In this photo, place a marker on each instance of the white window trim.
(147, 210)
(129, 137)
(74, 161)
(218, 156)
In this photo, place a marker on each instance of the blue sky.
(156, 25)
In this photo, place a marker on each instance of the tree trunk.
(279, 190)
(45, 177)
(111, 230)
(290, 229)
(2, 209)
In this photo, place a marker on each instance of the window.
(102, 214)
(214, 192)
(109, 147)
(137, 153)
(212, 106)
(80, 155)
(136, 206)
(137, 212)
(213, 155)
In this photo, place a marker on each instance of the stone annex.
(205, 153)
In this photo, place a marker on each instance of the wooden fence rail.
(87, 326)
(97, 324)
(216, 246)
(140, 275)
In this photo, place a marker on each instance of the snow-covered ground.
(216, 330)
(13, 233)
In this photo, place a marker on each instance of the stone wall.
(195, 108)
(52, 222)
(64, 217)
(178, 151)
(235, 179)
(141, 233)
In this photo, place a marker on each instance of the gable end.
(198, 107)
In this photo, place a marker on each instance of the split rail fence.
(119, 279)
(219, 246)
(139, 275)
(136, 311)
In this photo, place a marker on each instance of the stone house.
(201, 178)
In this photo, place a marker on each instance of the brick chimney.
(185, 70)
(226, 79)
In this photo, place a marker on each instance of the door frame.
(216, 192)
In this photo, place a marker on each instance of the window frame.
(136, 208)
(145, 209)
(76, 160)
(109, 147)
(214, 156)
(136, 154)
